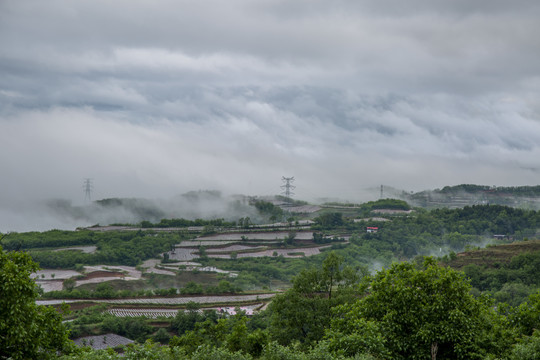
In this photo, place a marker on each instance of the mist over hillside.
(212, 204)
(62, 214)
(526, 197)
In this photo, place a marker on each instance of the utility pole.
(288, 186)
(88, 187)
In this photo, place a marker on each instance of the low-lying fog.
(63, 214)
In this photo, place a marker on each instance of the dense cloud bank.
(152, 99)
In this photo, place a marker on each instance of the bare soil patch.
(103, 274)
(287, 253)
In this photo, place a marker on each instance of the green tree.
(526, 316)
(527, 349)
(421, 314)
(162, 336)
(330, 220)
(289, 239)
(27, 330)
(69, 284)
(303, 312)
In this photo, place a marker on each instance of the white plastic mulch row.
(185, 300)
(149, 313)
(168, 313)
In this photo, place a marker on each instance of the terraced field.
(494, 254)
(225, 299)
(304, 235)
(85, 249)
(288, 253)
(53, 279)
(170, 313)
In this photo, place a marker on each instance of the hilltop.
(493, 256)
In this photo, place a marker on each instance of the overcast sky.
(156, 98)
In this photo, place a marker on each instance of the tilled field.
(288, 253)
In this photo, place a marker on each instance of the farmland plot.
(130, 271)
(50, 285)
(234, 248)
(197, 299)
(182, 263)
(52, 279)
(150, 267)
(108, 273)
(170, 313)
(183, 254)
(304, 235)
(148, 313)
(51, 274)
(85, 249)
(225, 299)
(203, 242)
(190, 266)
(287, 253)
(155, 270)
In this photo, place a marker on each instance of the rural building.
(372, 229)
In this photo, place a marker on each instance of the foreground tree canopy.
(27, 331)
(411, 313)
(302, 313)
(416, 310)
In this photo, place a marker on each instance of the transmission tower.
(382, 192)
(88, 187)
(287, 186)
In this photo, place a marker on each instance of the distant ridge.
(527, 197)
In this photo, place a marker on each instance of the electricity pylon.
(88, 187)
(288, 186)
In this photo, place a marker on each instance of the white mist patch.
(62, 214)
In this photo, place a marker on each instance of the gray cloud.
(153, 99)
